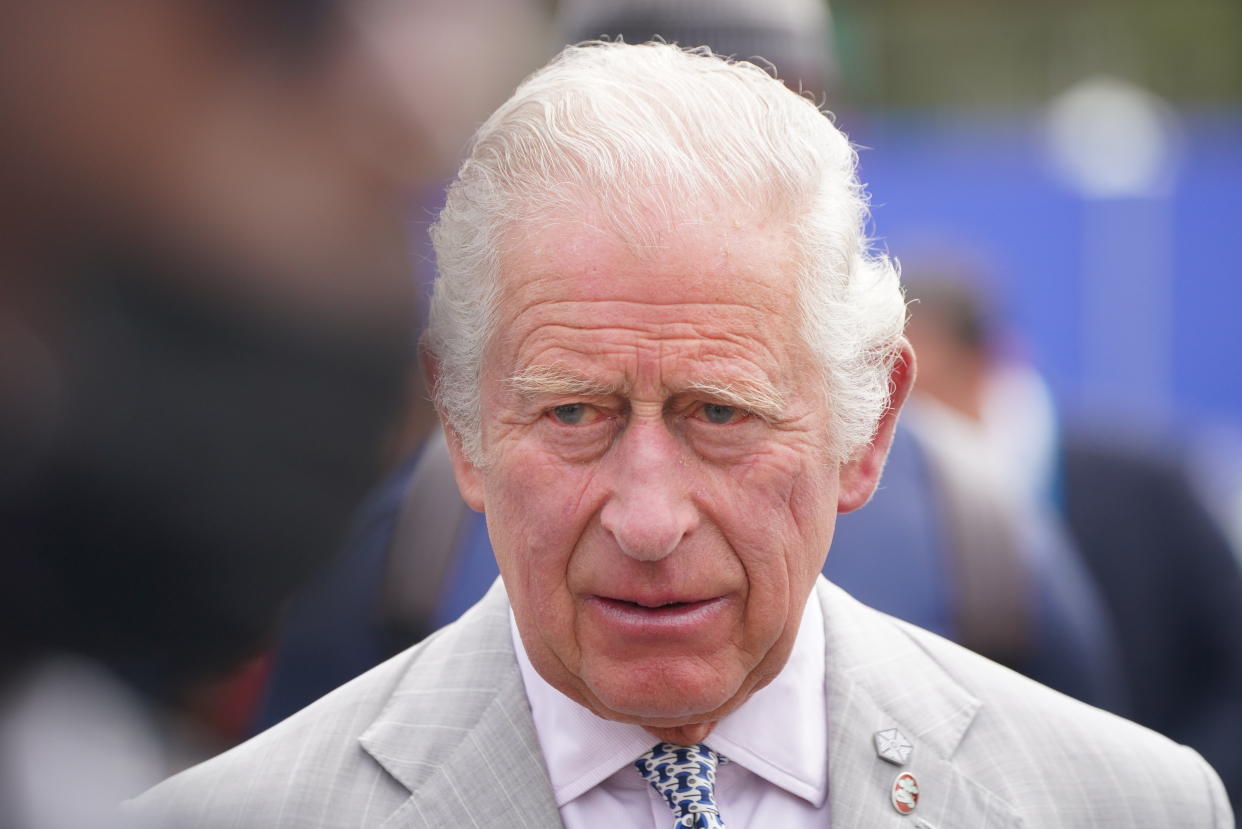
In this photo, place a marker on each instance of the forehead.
(709, 287)
(710, 260)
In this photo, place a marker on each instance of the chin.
(662, 704)
(652, 714)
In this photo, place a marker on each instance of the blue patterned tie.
(686, 777)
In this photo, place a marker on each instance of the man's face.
(656, 476)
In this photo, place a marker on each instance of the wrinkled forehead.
(683, 254)
(648, 209)
(705, 289)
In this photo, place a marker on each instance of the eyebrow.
(756, 396)
(554, 380)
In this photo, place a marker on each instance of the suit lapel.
(463, 742)
(879, 678)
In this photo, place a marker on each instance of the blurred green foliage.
(1011, 54)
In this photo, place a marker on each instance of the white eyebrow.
(554, 380)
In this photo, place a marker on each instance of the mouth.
(638, 617)
(657, 607)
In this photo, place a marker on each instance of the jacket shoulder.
(311, 769)
(1061, 762)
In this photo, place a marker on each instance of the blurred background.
(1087, 155)
(224, 490)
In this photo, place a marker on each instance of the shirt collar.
(779, 734)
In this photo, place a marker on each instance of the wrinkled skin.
(656, 479)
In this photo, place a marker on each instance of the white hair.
(633, 132)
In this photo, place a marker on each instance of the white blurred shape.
(1109, 138)
(74, 743)
(453, 61)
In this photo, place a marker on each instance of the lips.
(656, 606)
(656, 617)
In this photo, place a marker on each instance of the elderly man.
(665, 360)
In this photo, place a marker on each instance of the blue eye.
(718, 414)
(570, 414)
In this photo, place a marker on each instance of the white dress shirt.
(777, 744)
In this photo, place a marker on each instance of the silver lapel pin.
(892, 746)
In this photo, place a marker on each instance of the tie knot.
(685, 776)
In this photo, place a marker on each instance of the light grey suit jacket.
(441, 736)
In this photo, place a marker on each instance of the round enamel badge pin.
(905, 793)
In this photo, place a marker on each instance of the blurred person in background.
(983, 424)
(205, 316)
(1120, 511)
(1171, 582)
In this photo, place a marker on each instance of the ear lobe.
(861, 473)
(469, 478)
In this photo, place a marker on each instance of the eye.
(721, 415)
(571, 414)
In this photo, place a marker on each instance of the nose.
(649, 509)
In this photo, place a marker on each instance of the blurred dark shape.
(901, 529)
(1029, 606)
(417, 557)
(1172, 584)
(793, 38)
(205, 311)
(985, 421)
(204, 461)
(337, 629)
(213, 265)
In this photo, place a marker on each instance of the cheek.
(536, 513)
(789, 491)
(777, 513)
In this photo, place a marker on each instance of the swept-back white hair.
(636, 133)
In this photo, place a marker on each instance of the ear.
(860, 474)
(469, 478)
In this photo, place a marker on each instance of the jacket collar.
(880, 677)
(464, 745)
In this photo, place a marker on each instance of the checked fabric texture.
(686, 777)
